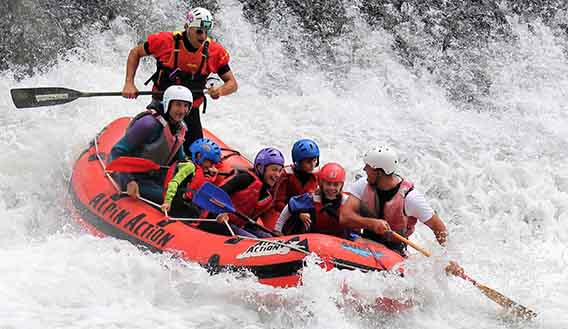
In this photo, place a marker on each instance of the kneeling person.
(157, 136)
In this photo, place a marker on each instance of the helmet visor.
(206, 25)
(201, 25)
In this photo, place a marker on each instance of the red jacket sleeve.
(161, 45)
(218, 57)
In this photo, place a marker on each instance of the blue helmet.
(304, 149)
(208, 149)
(265, 157)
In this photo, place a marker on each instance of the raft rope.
(113, 182)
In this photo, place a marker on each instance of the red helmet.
(332, 172)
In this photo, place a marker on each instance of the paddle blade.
(132, 165)
(36, 97)
(504, 301)
(213, 199)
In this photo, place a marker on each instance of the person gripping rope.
(184, 58)
(155, 135)
(190, 176)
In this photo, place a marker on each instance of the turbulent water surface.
(473, 94)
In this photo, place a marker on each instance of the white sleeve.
(284, 216)
(416, 205)
(356, 189)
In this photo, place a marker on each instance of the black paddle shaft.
(45, 96)
(255, 224)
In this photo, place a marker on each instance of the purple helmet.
(265, 157)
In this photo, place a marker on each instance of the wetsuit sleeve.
(184, 170)
(239, 182)
(142, 131)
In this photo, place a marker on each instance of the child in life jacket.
(296, 179)
(205, 154)
(250, 192)
(317, 212)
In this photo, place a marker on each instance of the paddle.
(217, 201)
(139, 165)
(133, 165)
(192, 219)
(45, 96)
(495, 296)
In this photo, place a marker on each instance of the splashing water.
(495, 168)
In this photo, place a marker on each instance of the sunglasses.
(205, 27)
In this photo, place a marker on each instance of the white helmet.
(200, 18)
(176, 93)
(382, 157)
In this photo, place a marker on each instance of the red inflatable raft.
(97, 205)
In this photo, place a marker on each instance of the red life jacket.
(289, 185)
(185, 68)
(393, 209)
(199, 178)
(325, 223)
(163, 149)
(247, 200)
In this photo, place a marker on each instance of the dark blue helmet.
(304, 149)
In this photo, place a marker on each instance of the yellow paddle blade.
(513, 307)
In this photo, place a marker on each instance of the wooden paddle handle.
(492, 294)
(412, 244)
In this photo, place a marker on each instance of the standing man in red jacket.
(184, 58)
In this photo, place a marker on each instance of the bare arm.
(230, 86)
(349, 217)
(129, 90)
(436, 224)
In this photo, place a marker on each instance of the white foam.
(497, 177)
